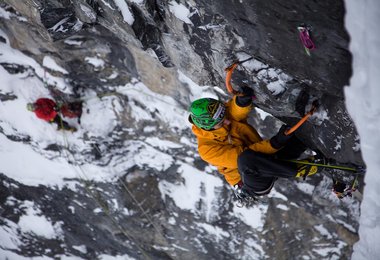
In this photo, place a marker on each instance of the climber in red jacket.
(48, 110)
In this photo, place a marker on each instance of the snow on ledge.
(50, 63)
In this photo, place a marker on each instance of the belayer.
(48, 110)
(249, 163)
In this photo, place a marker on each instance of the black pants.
(259, 171)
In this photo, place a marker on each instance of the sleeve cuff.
(243, 101)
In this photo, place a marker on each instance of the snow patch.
(180, 11)
(163, 145)
(323, 231)
(254, 217)
(88, 12)
(215, 231)
(9, 236)
(306, 187)
(196, 91)
(283, 207)
(73, 42)
(115, 257)
(125, 12)
(95, 61)
(82, 249)
(262, 113)
(187, 194)
(49, 62)
(5, 14)
(34, 222)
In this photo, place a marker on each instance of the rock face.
(98, 50)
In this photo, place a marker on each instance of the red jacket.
(45, 109)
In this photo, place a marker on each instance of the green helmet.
(207, 112)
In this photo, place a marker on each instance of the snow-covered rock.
(129, 183)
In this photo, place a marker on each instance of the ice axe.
(314, 107)
(229, 71)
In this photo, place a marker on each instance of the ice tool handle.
(230, 69)
(303, 119)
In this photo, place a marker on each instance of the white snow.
(253, 216)
(362, 101)
(137, 1)
(154, 103)
(275, 79)
(215, 231)
(35, 223)
(321, 229)
(81, 248)
(115, 257)
(8, 236)
(328, 252)
(262, 113)
(306, 187)
(275, 194)
(5, 14)
(88, 11)
(188, 193)
(282, 206)
(276, 87)
(195, 90)
(180, 11)
(163, 145)
(10, 55)
(95, 61)
(194, 187)
(124, 9)
(73, 42)
(50, 63)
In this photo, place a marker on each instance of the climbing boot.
(304, 170)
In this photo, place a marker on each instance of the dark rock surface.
(153, 50)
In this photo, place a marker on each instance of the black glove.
(280, 139)
(247, 91)
(246, 98)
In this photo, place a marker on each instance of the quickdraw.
(305, 38)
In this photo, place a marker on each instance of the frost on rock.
(130, 181)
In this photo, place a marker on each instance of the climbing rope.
(82, 176)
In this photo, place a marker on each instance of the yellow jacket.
(221, 147)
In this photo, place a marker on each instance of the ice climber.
(249, 163)
(48, 110)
